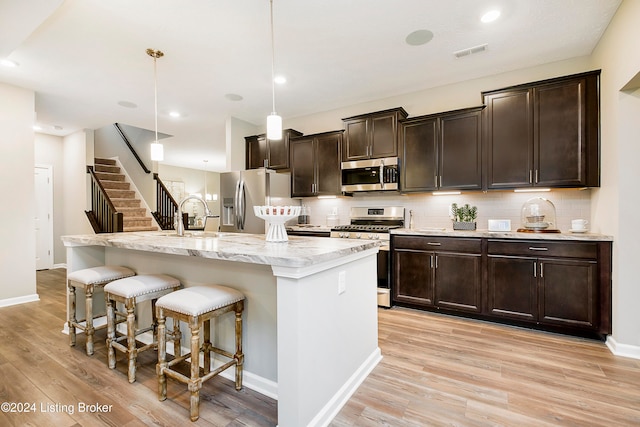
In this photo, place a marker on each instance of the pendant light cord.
(273, 55)
(155, 94)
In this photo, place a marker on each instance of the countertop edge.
(503, 235)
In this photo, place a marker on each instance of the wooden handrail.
(103, 215)
(166, 206)
(133, 151)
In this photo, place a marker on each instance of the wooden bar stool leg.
(72, 320)
(239, 356)
(111, 333)
(89, 330)
(131, 339)
(206, 347)
(162, 356)
(195, 383)
(177, 339)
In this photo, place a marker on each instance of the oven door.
(384, 276)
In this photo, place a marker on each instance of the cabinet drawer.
(451, 244)
(543, 248)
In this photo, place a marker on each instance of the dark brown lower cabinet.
(561, 286)
(438, 272)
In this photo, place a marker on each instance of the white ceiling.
(83, 57)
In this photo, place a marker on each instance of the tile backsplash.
(432, 211)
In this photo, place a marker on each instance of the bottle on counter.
(304, 217)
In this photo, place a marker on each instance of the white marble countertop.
(298, 251)
(503, 234)
(310, 228)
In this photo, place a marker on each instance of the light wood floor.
(436, 371)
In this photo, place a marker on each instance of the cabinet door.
(560, 131)
(329, 175)
(278, 151)
(460, 153)
(511, 286)
(256, 151)
(418, 141)
(458, 279)
(302, 167)
(356, 143)
(384, 136)
(568, 293)
(413, 282)
(509, 133)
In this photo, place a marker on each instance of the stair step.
(125, 203)
(115, 185)
(128, 212)
(138, 228)
(106, 168)
(110, 162)
(136, 221)
(121, 194)
(105, 176)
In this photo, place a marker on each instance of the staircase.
(135, 217)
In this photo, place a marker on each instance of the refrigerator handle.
(242, 205)
(236, 204)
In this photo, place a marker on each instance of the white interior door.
(44, 217)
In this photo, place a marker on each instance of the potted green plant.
(464, 217)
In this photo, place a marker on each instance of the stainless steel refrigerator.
(241, 191)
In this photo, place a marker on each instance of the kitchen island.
(310, 322)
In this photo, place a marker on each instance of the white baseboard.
(624, 350)
(335, 404)
(63, 265)
(250, 380)
(19, 300)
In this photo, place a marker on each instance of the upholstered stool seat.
(197, 306)
(131, 291)
(89, 279)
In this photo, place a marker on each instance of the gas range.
(370, 223)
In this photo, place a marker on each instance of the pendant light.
(157, 149)
(274, 121)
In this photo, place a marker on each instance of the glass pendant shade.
(274, 126)
(157, 151)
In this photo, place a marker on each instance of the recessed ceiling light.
(280, 80)
(8, 63)
(175, 114)
(419, 37)
(490, 16)
(127, 104)
(233, 97)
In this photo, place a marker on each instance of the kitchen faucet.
(180, 223)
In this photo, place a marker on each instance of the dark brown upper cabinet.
(270, 153)
(315, 164)
(442, 151)
(372, 136)
(544, 134)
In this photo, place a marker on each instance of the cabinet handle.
(541, 270)
(436, 261)
(535, 270)
(431, 260)
(435, 181)
(530, 176)
(533, 248)
(440, 181)
(434, 244)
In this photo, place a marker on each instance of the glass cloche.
(538, 216)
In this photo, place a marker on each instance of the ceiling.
(86, 60)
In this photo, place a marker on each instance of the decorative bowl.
(276, 216)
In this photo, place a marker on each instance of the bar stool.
(130, 291)
(89, 279)
(197, 306)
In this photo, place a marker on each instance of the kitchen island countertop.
(441, 232)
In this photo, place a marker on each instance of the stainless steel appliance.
(241, 191)
(370, 175)
(374, 224)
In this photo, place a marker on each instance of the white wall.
(49, 151)
(77, 153)
(236, 130)
(616, 203)
(17, 234)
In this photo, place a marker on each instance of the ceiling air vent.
(470, 50)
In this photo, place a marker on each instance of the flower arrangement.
(464, 217)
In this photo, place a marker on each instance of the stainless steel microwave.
(370, 175)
